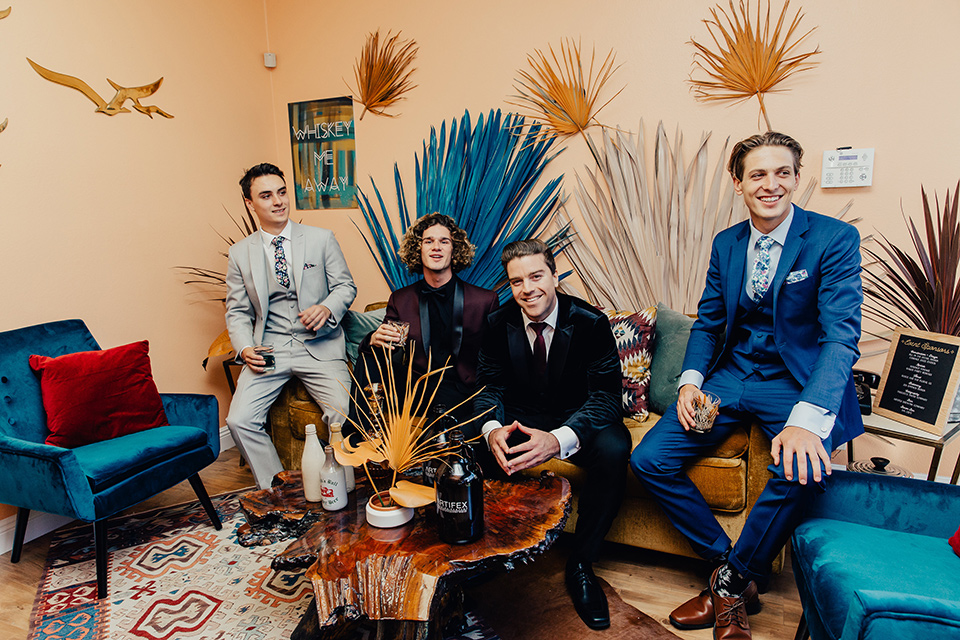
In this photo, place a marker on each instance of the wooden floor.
(653, 582)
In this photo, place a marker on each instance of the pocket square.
(797, 276)
(308, 265)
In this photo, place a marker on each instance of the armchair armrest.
(883, 614)
(45, 478)
(898, 504)
(194, 410)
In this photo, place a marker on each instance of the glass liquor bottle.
(437, 437)
(460, 495)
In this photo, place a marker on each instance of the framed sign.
(324, 153)
(919, 379)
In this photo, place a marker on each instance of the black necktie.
(539, 348)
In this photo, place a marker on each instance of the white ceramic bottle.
(336, 437)
(311, 463)
(334, 483)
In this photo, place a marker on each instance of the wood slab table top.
(400, 573)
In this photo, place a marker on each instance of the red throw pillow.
(634, 334)
(955, 542)
(98, 395)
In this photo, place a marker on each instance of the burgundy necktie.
(540, 348)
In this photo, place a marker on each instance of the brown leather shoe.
(731, 614)
(697, 612)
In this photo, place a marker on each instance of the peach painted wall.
(98, 210)
(882, 82)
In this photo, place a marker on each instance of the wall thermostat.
(847, 167)
(270, 60)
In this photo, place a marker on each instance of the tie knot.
(277, 241)
(764, 243)
(538, 327)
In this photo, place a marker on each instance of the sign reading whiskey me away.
(919, 379)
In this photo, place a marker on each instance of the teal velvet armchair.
(872, 560)
(94, 481)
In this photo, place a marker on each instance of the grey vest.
(282, 321)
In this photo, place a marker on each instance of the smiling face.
(769, 180)
(533, 285)
(269, 202)
(436, 250)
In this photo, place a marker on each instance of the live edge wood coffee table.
(402, 574)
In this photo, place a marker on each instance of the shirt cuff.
(487, 427)
(814, 419)
(690, 376)
(569, 442)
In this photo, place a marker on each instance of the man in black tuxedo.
(447, 316)
(550, 376)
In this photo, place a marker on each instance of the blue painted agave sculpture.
(485, 178)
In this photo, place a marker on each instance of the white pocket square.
(797, 276)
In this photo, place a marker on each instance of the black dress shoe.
(587, 595)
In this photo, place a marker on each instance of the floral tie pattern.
(760, 280)
(280, 264)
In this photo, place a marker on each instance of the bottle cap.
(328, 449)
(310, 429)
(335, 427)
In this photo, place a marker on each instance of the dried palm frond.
(383, 72)
(559, 92)
(925, 292)
(749, 60)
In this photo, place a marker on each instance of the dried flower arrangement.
(383, 72)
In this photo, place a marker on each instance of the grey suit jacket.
(320, 275)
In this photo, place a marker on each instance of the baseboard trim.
(41, 523)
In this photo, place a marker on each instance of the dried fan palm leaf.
(749, 60)
(924, 293)
(383, 72)
(559, 92)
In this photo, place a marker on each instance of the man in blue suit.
(775, 338)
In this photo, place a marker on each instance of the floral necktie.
(280, 264)
(760, 279)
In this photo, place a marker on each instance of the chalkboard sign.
(919, 379)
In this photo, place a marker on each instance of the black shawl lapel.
(562, 335)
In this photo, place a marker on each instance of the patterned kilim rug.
(173, 577)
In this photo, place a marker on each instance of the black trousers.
(604, 458)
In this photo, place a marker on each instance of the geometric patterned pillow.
(634, 332)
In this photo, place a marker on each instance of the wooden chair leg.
(803, 632)
(19, 533)
(100, 546)
(201, 492)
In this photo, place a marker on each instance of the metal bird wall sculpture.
(115, 106)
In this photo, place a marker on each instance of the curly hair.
(410, 245)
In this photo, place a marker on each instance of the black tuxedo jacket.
(583, 385)
(471, 306)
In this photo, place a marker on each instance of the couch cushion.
(634, 335)
(356, 326)
(839, 559)
(91, 396)
(112, 461)
(669, 347)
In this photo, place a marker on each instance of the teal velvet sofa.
(872, 561)
(94, 481)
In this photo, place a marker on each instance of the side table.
(887, 428)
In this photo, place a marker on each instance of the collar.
(551, 318)
(285, 234)
(779, 234)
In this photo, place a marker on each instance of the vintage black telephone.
(864, 381)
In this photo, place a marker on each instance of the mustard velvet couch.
(730, 478)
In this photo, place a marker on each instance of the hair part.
(257, 171)
(768, 139)
(411, 244)
(531, 247)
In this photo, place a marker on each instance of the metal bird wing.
(69, 81)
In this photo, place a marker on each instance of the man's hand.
(386, 336)
(315, 316)
(807, 446)
(253, 360)
(538, 449)
(685, 405)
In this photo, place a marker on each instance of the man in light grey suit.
(288, 285)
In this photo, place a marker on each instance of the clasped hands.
(791, 441)
(540, 447)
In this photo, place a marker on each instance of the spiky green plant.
(485, 178)
(924, 293)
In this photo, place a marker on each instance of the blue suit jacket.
(816, 294)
